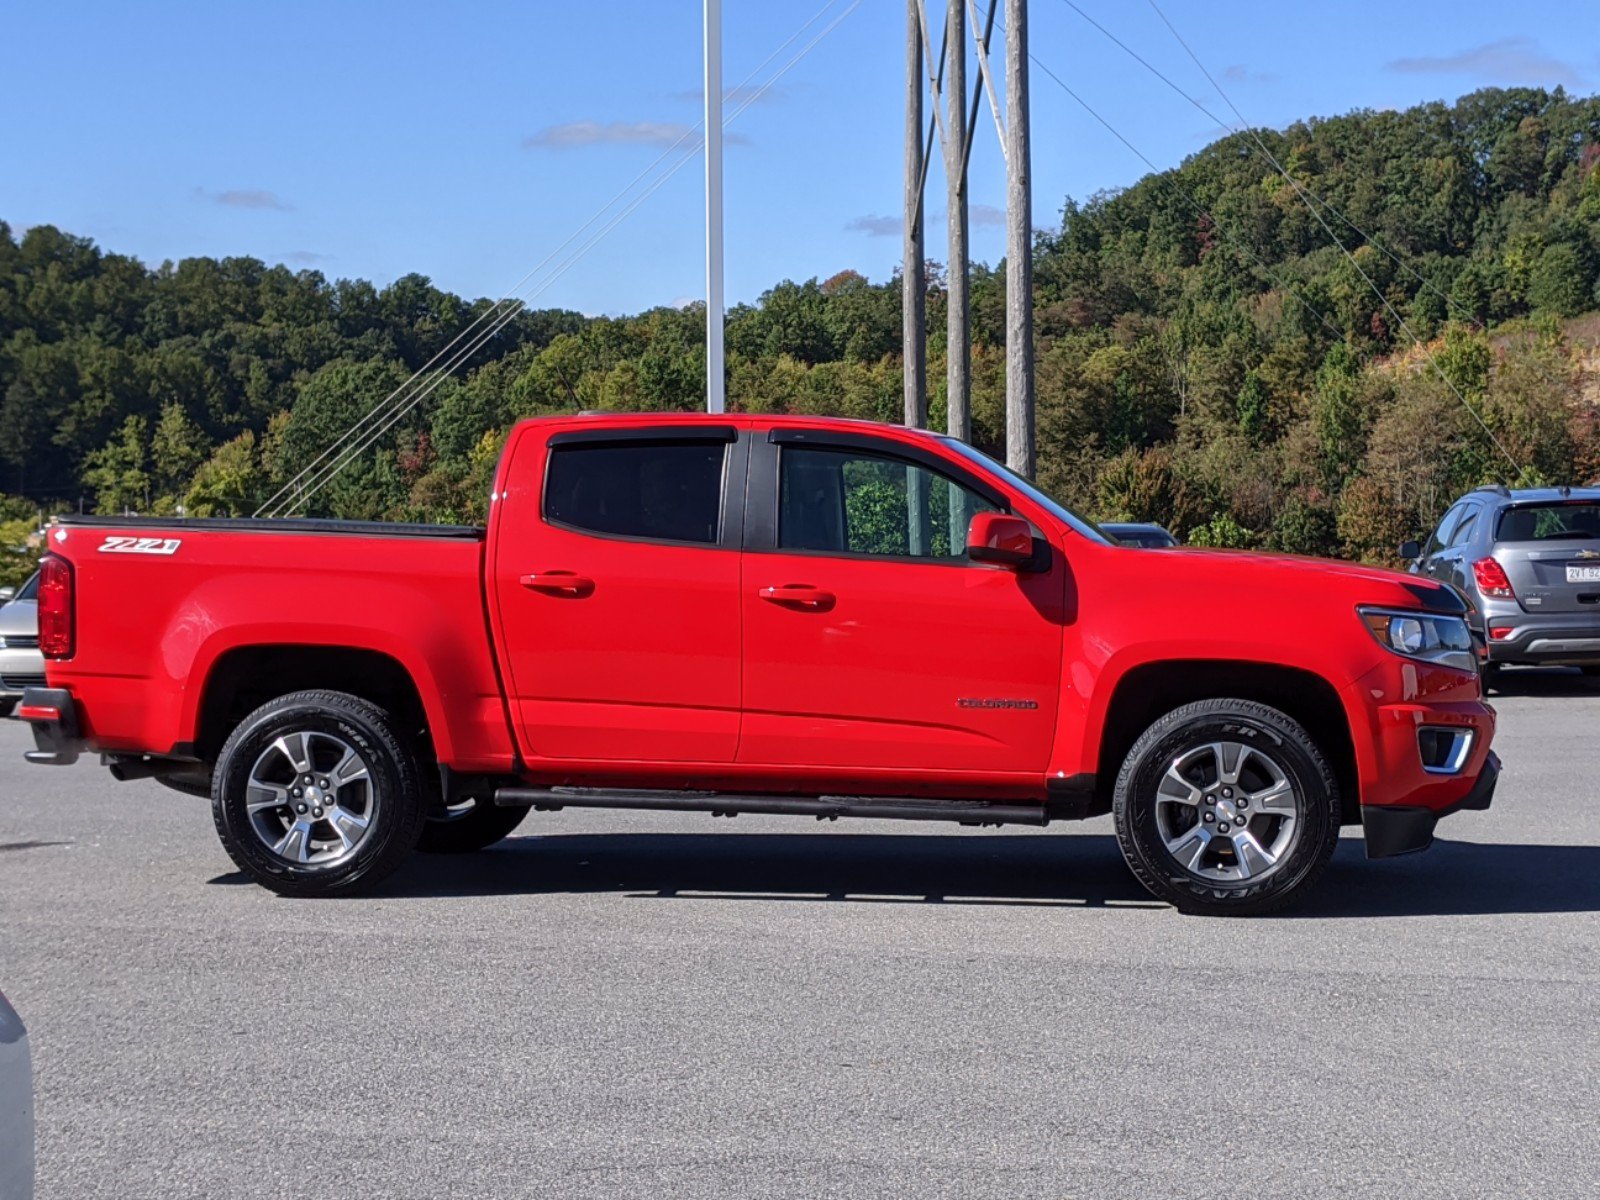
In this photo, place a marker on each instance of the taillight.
(56, 626)
(1492, 581)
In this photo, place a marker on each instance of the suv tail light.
(56, 601)
(1492, 581)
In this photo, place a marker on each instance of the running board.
(824, 808)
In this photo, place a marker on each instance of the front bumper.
(1405, 829)
(1544, 638)
(53, 715)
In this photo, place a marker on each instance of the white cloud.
(577, 134)
(874, 226)
(246, 198)
(1508, 60)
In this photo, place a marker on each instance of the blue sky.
(467, 142)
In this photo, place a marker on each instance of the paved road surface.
(645, 1005)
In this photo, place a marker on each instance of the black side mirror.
(1410, 551)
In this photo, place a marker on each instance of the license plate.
(1583, 574)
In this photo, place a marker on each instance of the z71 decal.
(140, 545)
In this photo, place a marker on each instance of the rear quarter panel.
(150, 627)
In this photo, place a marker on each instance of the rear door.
(615, 574)
(1551, 553)
(871, 641)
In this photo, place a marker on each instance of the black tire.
(476, 827)
(1591, 672)
(1285, 744)
(7, 707)
(1490, 676)
(390, 783)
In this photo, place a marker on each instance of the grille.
(19, 641)
(15, 683)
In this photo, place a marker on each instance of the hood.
(20, 616)
(1306, 580)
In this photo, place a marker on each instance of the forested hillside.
(1207, 356)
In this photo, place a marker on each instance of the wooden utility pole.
(913, 285)
(959, 345)
(1019, 248)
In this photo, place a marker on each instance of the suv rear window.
(1542, 522)
(661, 491)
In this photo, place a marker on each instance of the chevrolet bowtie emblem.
(1589, 553)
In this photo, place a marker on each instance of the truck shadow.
(1555, 682)
(1085, 870)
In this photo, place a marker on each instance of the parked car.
(16, 1107)
(21, 664)
(1528, 562)
(1129, 534)
(759, 614)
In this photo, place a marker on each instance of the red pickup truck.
(758, 614)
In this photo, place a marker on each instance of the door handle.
(558, 583)
(798, 595)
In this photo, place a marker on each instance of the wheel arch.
(1147, 692)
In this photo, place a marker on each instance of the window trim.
(731, 509)
(765, 481)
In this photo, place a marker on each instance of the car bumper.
(1549, 638)
(1405, 829)
(53, 716)
(20, 669)
(1395, 711)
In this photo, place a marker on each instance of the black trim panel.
(1439, 598)
(644, 433)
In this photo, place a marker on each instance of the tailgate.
(1551, 553)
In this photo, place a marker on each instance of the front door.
(616, 576)
(871, 641)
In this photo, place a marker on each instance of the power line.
(301, 489)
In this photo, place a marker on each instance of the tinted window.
(664, 491)
(1437, 541)
(30, 589)
(1463, 531)
(1538, 522)
(848, 502)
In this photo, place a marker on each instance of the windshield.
(1079, 524)
(1547, 522)
(28, 590)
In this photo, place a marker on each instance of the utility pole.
(959, 346)
(913, 283)
(1019, 248)
(716, 374)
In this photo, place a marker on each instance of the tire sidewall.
(1135, 809)
(392, 776)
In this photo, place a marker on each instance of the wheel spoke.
(349, 769)
(1253, 857)
(295, 843)
(1230, 758)
(348, 825)
(1190, 846)
(1276, 800)
(296, 747)
(261, 796)
(1175, 788)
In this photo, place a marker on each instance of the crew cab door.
(871, 641)
(615, 574)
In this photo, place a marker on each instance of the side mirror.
(998, 538)
(1410, 551)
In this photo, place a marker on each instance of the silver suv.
(1528, 564)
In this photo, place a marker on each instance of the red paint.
(568, 657)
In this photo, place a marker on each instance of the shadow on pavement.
(1453, 878)
(1555, 682)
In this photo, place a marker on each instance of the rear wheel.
(1590, 671)
(1226, 807)
(317, 794)
(472, 825)
(8, 705)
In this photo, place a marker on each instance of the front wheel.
(317, 794)
(1226, 807)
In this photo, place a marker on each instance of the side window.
(1463, 531)
(663, 491)
(1437, 541)
(852, 502)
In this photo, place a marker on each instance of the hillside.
(1207, 357)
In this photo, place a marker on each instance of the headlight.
(1425, 636)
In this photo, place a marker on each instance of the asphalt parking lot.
(651, 1005)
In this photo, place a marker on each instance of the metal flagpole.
(716, 382)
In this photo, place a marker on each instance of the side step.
(824, 808)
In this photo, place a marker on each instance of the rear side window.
(1463, 531)
(1549, 522)
(661, 491)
